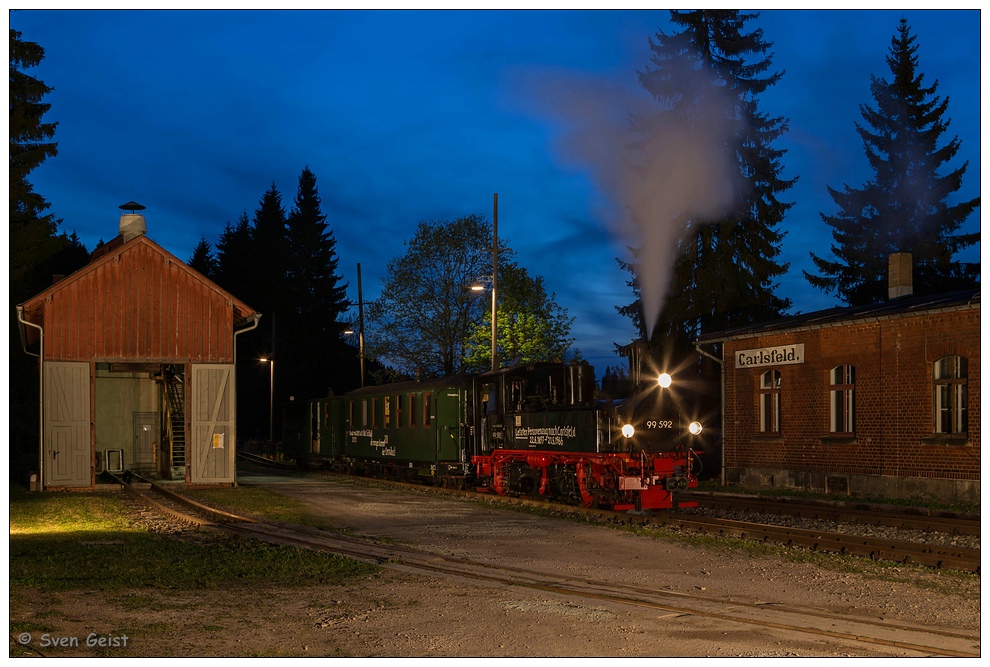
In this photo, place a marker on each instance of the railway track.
(871, 547)
(876, 515)
(875, 548)
(856, 633)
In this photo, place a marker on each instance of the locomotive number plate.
(659, 423)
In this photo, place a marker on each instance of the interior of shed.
(140, 419)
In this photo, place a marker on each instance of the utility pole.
(494, 283)
(360, 324)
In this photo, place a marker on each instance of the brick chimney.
(899, 277)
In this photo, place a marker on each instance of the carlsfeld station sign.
(771, 356)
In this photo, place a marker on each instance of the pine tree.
(203, 259)
(708, 78)
(269, 255)
(234, 258)
(235, 272)
(316, 297)
(904, 207)
(35, 247)
(33, 232)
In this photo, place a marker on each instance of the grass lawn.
(65, 541)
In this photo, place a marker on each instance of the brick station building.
(879, 401)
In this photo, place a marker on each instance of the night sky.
(406, 116)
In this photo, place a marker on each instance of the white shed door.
(211, 405)
(68, 450)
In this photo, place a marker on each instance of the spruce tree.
(235, 273)
(35, 248)
(33, 239)
(316, 297)
(234, 259)
(269, 255)
(203, 259)
(904, 207)
(707, 77)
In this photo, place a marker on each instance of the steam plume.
(659, 173)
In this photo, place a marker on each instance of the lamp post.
(479, 286)
(271, 398)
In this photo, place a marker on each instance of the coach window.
(426, 410)
(951, 395)
(388, 412)
(770, 402)
(842, 399)
(412, 410)
(398, 411)
(374, 412)
(364, 413)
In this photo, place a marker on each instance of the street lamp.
(480, 285)
(271, 397)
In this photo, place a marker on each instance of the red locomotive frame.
(622, 481)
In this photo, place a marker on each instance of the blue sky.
(406, 116)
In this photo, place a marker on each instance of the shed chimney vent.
(132, 224)
(899, 279)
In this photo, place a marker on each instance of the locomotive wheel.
(588, 499)
(566, 486)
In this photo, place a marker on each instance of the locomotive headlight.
(695, 428)
(628, 430)
(664, 380)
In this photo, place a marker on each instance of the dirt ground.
(397, 614)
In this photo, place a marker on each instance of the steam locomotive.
(528, 430)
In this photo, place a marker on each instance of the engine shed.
(136, 356)
(879, 401)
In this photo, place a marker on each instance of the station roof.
(842, 316)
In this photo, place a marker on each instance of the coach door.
(449, 419)
(211, 405)
(67, 447)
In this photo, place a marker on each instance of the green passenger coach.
(408, 429)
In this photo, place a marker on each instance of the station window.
(842, 399)
(770, 402)
(951, 387)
